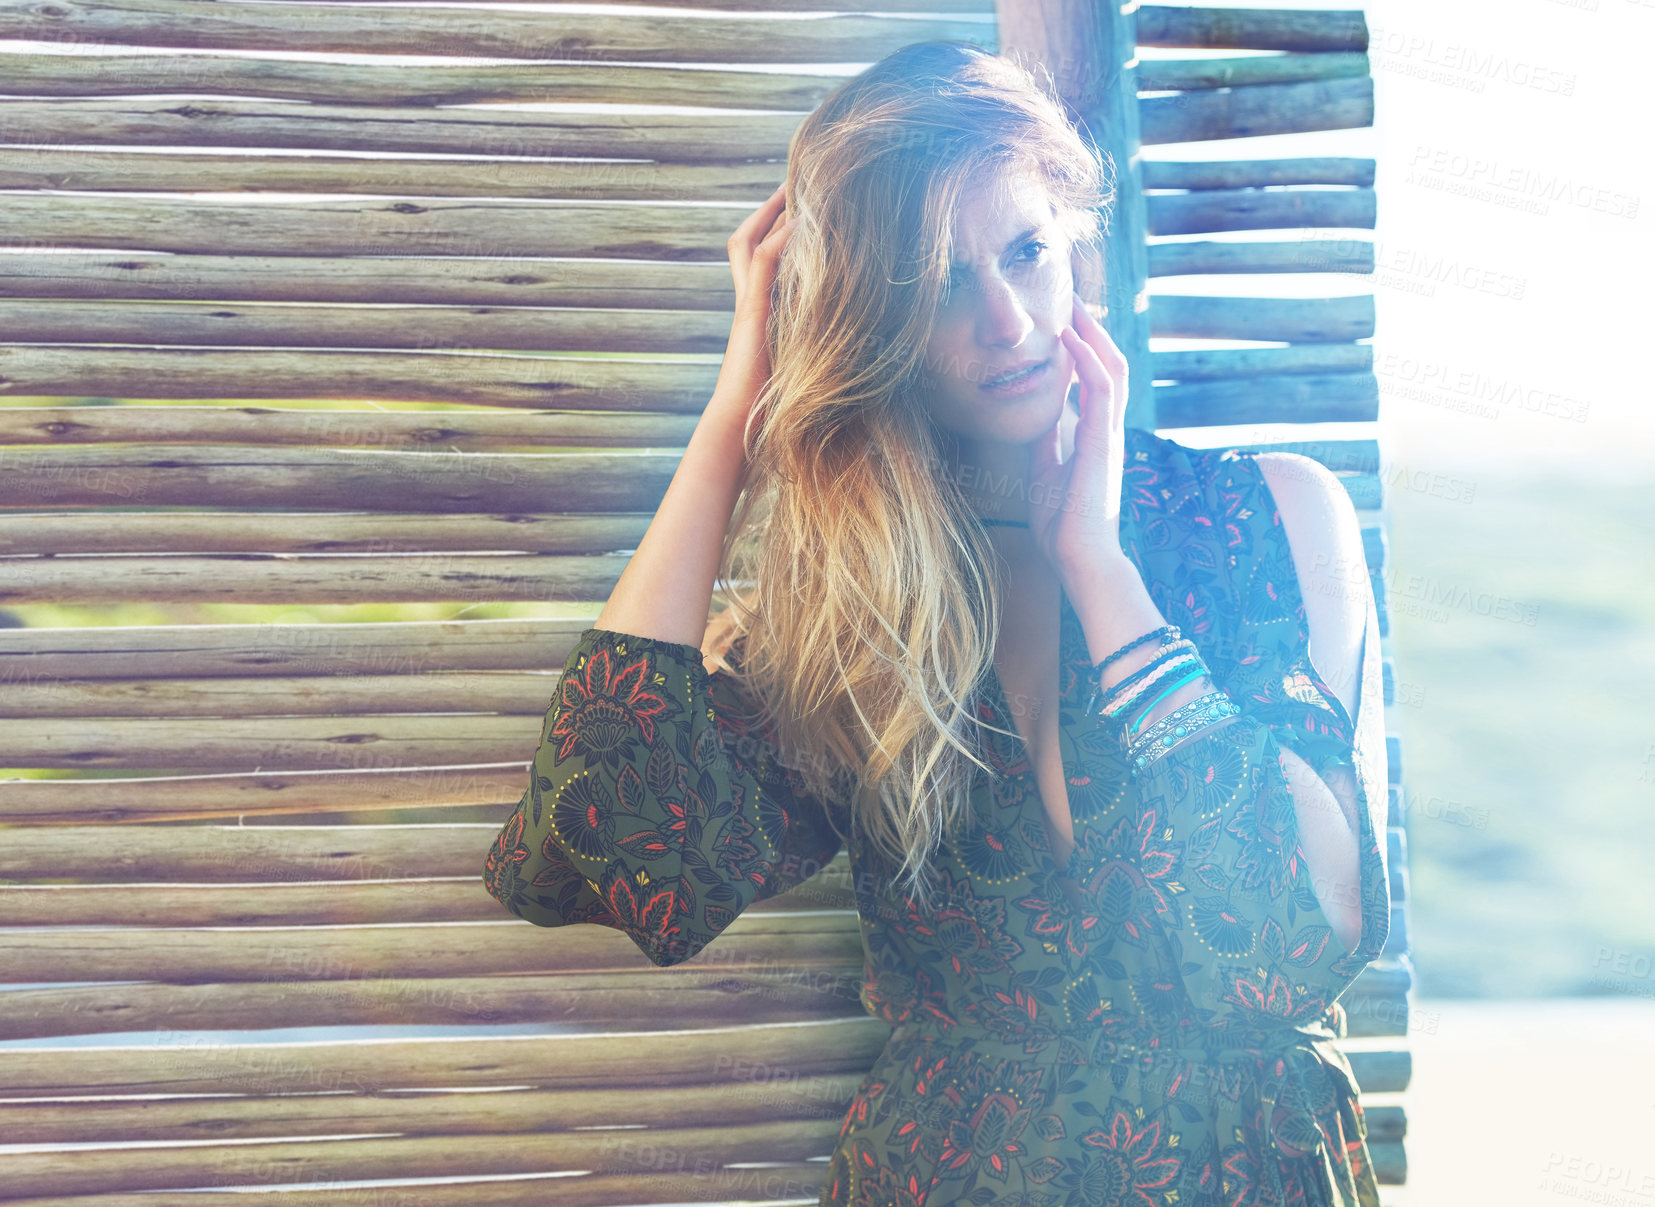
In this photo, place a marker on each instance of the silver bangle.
(1182, 722)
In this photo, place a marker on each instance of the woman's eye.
(1037, 247)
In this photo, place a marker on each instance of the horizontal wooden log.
(346, 579)
(598, 384)
(290, 854)
(1190, 257)
(410, 84)
(175, 1120)
(604, 1002)
(393, 647)
(299, 904)
(1202, 364)
(461, 227)
(472, 281)
(767, 8)
(775, 939)
(116, 171)
(302, 532)
(342, 902)
(237, 854)
(688, 1184)
(1255, 173)
(1337, 320)
(408, 431)
(1252, 28)
(1386, 1124)
(1263, 109)
(298, 1161)
(439, 328)
(144, 122)
(1261, 209)
(1288, 398)
(260, 794)
(1163, 75)
(277, 743)
(567, 1062)
(329, 479)
(513, 693)
(489, 34)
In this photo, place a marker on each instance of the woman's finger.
(1097, 386)
(754, 229)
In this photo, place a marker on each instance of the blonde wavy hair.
(870, 620)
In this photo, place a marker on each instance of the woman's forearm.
(666, 590)
(1114, 606)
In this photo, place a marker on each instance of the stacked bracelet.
(1176, 662)
(1168, 660)
(1180, 723)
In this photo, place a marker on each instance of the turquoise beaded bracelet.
(1159, 739)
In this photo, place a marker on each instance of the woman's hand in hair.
(1075, 504)
(755, 250)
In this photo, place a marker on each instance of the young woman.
(1055, 684)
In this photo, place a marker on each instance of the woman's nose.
(1002, 317)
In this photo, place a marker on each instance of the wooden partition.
(217, 853)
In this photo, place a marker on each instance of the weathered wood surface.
(427, 84)
(1338, 320)
(1257, 173)
(300, 532)
(407, 431)
(226, 1118)
(484, 33)
(613, 385)
(1337, 104)
(1307, 255)
(508, 279)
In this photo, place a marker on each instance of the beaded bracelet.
(1124, 698)
(1158, 740)
(1198, 673)
(1171, 643)
(1168, 632)
(1160, 656)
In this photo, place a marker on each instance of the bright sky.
(1513, 252)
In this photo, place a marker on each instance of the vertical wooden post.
(1091, 49)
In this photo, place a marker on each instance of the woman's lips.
(1020, 384)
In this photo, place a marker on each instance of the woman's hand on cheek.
(1074, 500)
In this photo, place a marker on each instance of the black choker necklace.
(1005, 523)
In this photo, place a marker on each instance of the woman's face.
(1011, 292)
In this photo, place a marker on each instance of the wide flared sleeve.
(656, 803)
(1248, 934)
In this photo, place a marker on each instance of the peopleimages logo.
(1486, 395)
(1460, 66)
(1513, 186)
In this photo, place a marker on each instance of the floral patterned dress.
(1162, 1037)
